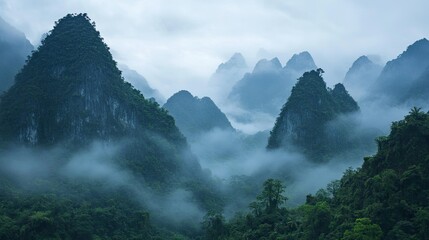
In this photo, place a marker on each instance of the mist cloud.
(98, 164)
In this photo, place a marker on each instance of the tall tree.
(271, 197)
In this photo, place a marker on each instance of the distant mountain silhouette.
(14, 49)
(226, 75)
(404, 79)
(268, 86)
(195, 116)
(235, 63)
(300, 63)
(361, 76)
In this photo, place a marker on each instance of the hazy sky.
(178, 44)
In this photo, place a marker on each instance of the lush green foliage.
(72, 210)
(269, 218)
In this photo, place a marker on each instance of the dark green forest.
(84, 155)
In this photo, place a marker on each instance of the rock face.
(14, 49)
(303, 119)
(399, 78)
(141, 84)
(267, 87)
(361, 76)
(195, 116)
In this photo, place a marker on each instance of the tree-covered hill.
(303, 119)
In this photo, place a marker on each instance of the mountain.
(303, 119)
(14, 49)
(234, 66)
(195, 116)
(259, 90)
(267, 87)
(399, 76)
(226, 75)
(141, 84)
(299, 64)
(69, 97)
(361, 76)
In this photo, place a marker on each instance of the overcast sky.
(178, 44)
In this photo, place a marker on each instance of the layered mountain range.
(266, 88)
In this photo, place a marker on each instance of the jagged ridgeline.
(303, 119)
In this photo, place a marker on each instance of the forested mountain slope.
(387, 198)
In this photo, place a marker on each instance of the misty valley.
(89, 149)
